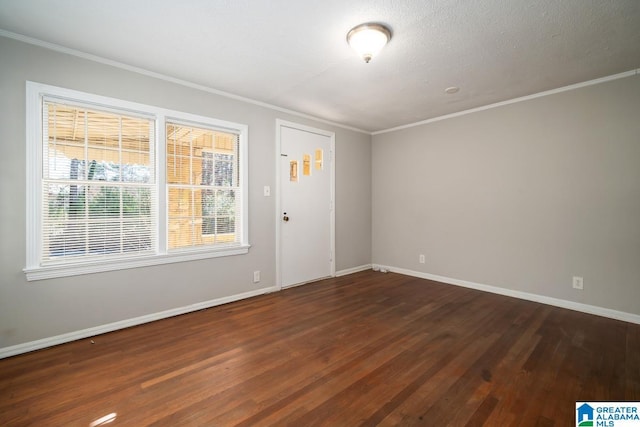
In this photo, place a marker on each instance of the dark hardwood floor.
(364, 349)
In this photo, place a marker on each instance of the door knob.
(285, 218)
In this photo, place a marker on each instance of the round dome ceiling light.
(368, 39)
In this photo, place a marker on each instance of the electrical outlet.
(421, 258)
(256, 276)
(578, 283)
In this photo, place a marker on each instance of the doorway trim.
(332, 180)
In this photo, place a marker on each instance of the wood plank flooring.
(365, 349)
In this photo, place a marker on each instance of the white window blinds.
(98, 184)
(204, 191)
(114, 184)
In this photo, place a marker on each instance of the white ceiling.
(293, 53)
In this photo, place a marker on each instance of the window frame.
(34, 270)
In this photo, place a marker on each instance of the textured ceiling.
(293, 53)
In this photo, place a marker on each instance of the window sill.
(65, 270)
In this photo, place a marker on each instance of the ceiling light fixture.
(368, 39)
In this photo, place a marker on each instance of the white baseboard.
(353, 270)
(571, 305)
(110, 327)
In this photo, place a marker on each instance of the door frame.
(332, 175)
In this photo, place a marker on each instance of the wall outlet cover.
(578, 282)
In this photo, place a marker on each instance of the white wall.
(521, 197)
(37, 310)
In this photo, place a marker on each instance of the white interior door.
(305, 217)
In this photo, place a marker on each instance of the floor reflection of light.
(104, 420)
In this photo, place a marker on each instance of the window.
(113, 184)
(97, 183)
(203, 184)
(306, 164)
